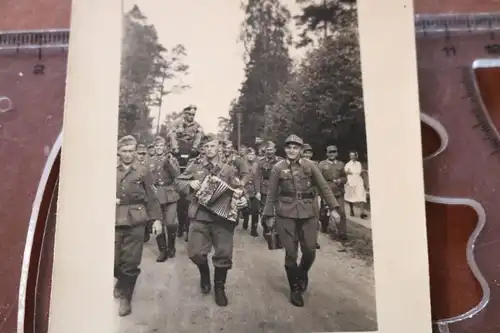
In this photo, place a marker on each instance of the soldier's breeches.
(182, 208)
(295, 232)
(205, 235)
(170, 219)
(253, 210)
(128, 250)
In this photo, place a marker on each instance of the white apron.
(355, 186)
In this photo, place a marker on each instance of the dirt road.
(340, 295)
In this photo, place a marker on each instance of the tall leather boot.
(245, 221)
(126, 296)
(255, 222)
(292, 274)
(220, 276)
(303, 273)
(171, 233)
(147, 232)
(161, 241)
(117, 290)
(205, 284)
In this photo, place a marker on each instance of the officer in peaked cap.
(295, 217)
(136, 205)
(186, 134)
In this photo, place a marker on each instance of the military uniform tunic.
(265, 166)
(135, 206)
(185, 136)
(291, 200)
(335, 176)
(252, 187)
(165, 170)
(205, 228)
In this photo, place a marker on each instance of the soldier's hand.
(335, 215)
(195, 185)
(258, 196)
(157, 228)
(242, 203)
(270, 222)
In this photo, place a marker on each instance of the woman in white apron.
(355, 192)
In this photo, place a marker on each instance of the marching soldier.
(206, 229)
(290, 209)
(164, 172)
(252, 187)
(307, 152)
(136, 204)
(141, 154)
(266, 164)
(186, 134)
(230, 157)
(151, 151)
(333, 171)
(185, 138)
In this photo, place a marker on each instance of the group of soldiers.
(155, 195)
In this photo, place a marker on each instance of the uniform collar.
(132, 166)
(215, 162)
(300, 161)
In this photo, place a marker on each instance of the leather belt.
(298, 195)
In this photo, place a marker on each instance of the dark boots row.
(124, 290)
(166, 245)
(253, 227)
(220, 276)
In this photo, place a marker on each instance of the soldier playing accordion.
(208, 225)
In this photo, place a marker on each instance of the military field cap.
(141, 148)
(270, 144)
(250, 150)
(228, 143)
(151, 146)
(331, 149)
(158, 139)
(209, 137)
(295, 139)
(127, 140)
(307, 147)
(190, 108)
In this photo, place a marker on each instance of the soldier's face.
(308, 154)
(159, 148)
(270, 151)
(228, 150)
(151, 151)
(212, 148)
(141, 156)
(251, 157)
(332, 154)
(127, 154)
(189, 116)
(292, 151)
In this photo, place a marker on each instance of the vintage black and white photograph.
(242, 188)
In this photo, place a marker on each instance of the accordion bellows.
(219, 198)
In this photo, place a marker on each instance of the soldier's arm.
(197, 138)
(172, 135)
(323, 188)
(243, 170)
(343, 174)
(152, 204)
(171, 167)
(272, 192)
(182, 181)
(256, 175)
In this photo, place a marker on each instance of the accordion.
(219, 198)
